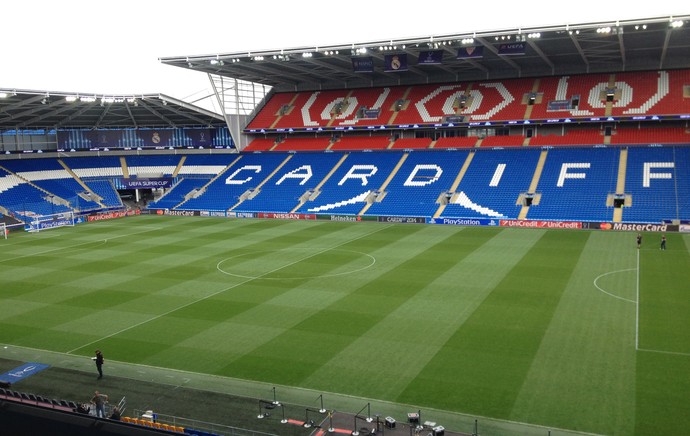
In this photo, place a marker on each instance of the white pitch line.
(608, 293)
(637, 305)
(76, 245)
(222, 290)
(675, 353)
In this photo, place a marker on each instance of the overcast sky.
(112, 47)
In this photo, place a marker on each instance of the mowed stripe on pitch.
(164, 331)
(359, 303)
(166, 282)
(402, 342)
(482, 367)
(583, 375)
(663, 362)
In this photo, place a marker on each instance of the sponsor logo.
(345, 218)
(641, 227)
(180, 212)
(685, 228)
(23, 372)
(244, 215)
(402, 220)
(108, 216)
(287, 216)
(52, 224)
(461, 222)
(539, 224)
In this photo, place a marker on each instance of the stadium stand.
(410, 143)
(575, 184)
(284, 191)
(303, 144)
(361, 143)
(576, 96)
(276, 107)
(493, 183)
(503, 141)
(349, 187)
(241, 177)
(261, 144)
(651, 135)
(574, 137)
(456, 142)
(417, 185)
(656, 180)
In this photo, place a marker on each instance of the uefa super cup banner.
(147, 183)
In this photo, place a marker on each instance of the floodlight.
(3, 95)
(71, 98)
(676, 24)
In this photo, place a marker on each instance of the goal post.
(3, 231)
(46, 222)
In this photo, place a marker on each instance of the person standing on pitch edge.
(639, 240)
(663, 242)
(99, 363)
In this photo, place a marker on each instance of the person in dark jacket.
(99, 363)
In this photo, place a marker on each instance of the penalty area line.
(673, 353)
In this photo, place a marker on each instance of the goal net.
(45, 222)
(3, 230)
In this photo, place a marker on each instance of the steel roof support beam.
(494, 50)
(75, 115)
(106, 109)
(179, 103)
(44, 116)
(131, 116)
(541, 54)
(664, 48)
(148, 107)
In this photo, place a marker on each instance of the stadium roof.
(27, 110)
(597, 47)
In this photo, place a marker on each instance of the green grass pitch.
(534, 326)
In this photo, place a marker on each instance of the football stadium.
(482, 233)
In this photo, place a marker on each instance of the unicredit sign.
(538, 224)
